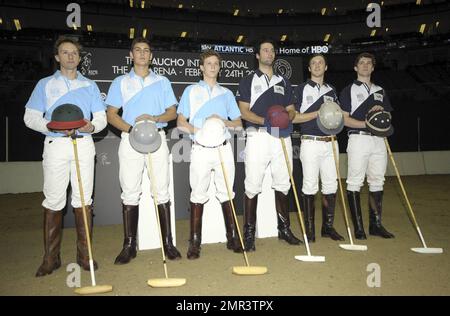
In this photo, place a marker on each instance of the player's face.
(68, 56)
(317, 66)
(266, 54)
(365, 67)
(141, 54)
(210, 67)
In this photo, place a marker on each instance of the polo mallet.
(424, 249)
(352, 246)
(94, 288)
(247, 269)
(309, 257)
(161, 282)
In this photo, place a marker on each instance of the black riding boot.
(354, 202)
(375, 210)
(233, 242)
(130, 223)
(164, 217)
(284, 230)
(250, 222)
(309, 216)
(328, 210)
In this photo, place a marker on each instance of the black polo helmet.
(66, 116)
(379, 123)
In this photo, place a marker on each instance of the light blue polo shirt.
(151, 95)
(199, 102)
(55, 90)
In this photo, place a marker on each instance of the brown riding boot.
(130, 223)
(52, 242)
(284, 223)
(82, 247)
(196, 231)
(233, 242)
(250, 222)
(164, 217)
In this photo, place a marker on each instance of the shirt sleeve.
(244, 91)
(114, 97)
(97, 102)
(184, 106)
(345, 100)
(289, 93)
(386, 102)
(37, 100)
(169, 96)
(33, 119)
(298, 95)
(232, 107)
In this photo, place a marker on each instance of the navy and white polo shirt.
(358, 98)
(261, 93)
(309, 97)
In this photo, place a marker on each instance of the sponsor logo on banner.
(86, 64)
(283, 67)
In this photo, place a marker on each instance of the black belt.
(223, 144)
(359, 133)
(318, 138)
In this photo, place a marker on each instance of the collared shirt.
(55, 90)
(358, 98)
(199, 101)
(151, 95)
(261, 93)
(309, 97)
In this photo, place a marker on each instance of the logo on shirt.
(378, 97)
(278, 89)
(55, 92)
(309, 99)
(283, 67)
(258, 89)
(360, 97)
(327, 98)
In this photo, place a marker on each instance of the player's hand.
(216, 116)
(88, 128)
(145, 117)
(376, 108)
(66, 132)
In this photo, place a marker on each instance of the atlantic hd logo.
(283, 67)
(86, 64)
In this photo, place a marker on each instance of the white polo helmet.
(212, 133)
(330, 118)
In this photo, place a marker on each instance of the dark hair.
(63, 39)
(138, 40)
(318, 55)
(365, 55)
(209, 53)
(264, 41)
